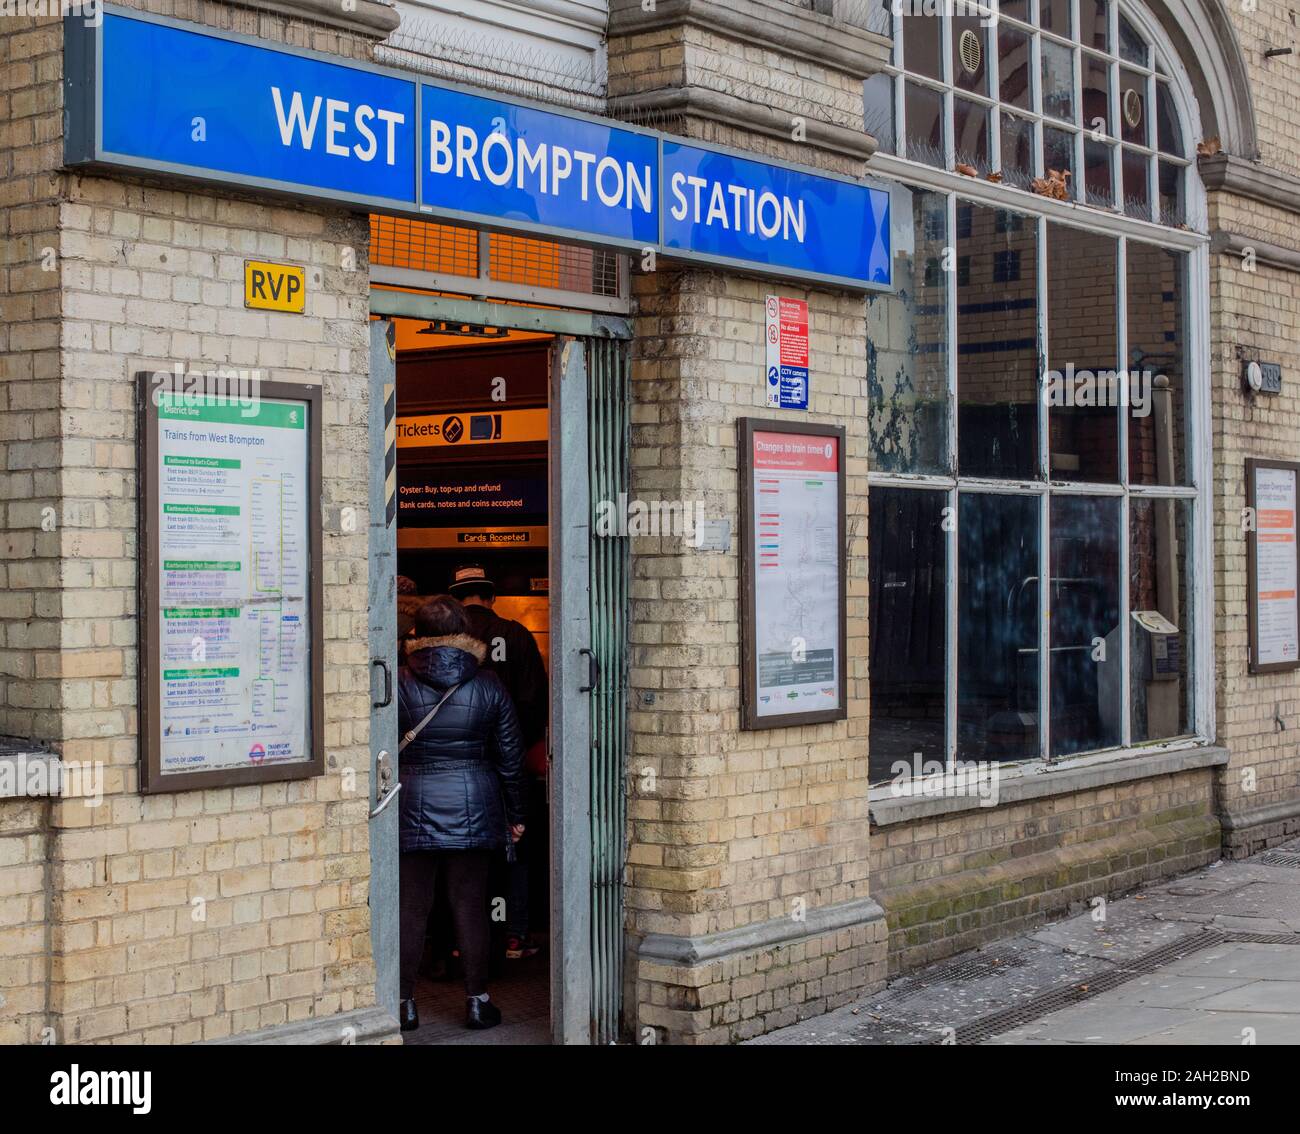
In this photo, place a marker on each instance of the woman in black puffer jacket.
(462, 794)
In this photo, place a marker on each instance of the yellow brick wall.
(201, 914)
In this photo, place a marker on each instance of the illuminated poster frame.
(758, 604)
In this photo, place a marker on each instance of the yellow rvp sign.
(275, 287)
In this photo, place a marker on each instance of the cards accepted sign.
(787, 353)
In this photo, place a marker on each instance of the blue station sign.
(155, 94)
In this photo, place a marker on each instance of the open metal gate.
(608, 427)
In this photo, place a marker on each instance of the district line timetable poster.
(796, 573)
(232, 522)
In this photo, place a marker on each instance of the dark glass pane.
(1094, 18)
(1058, 80)
(1099, 183)
(970, 124)
(997, 337)
(923, 45)
(1086, 647)
(1017, 151)
(1082, 390)
(1058, 153)
(1157, 438)
(1097, 116)
(1014, 60)
(908, 628)
(1016, 9)
(1137, 192)
(1168, 128)
(970, 70)
(1132, 47)
(1133, 117)
(907, 344)
(1054, 16)
(878, 110)
(924, 114)
(1172, 209)
(997, 627)
(1159, 593)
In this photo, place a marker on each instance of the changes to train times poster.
(230, 600)
(1273, 569)
(793, 571)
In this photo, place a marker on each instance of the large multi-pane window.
(1035, 386)
(1067, 91)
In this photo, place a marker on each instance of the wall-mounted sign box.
(150, 93)
(1272, 566)
(230, 586)
(793, 561)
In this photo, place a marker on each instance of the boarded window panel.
(908, 628)
(997, 627)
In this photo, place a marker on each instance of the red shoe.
(517, 948)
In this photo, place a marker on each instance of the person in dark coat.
(514, 657)
(462, 794)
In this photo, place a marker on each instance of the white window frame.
(1199, 573)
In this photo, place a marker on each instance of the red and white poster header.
(795, 452)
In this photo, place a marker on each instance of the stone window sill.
(24, 765)
(1035, 780)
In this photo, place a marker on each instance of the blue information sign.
(521, 163)
(729, 208)
(193, 100)
(152, 93)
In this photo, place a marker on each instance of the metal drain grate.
(1280, 858)
(1242, 938)
(1054, 999)
(967, 969)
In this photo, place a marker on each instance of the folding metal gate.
(608, 426)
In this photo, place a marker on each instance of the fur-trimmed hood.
(445, 661)
(456, 641)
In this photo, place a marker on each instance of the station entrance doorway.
(501, 428)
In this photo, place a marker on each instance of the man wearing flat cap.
(512, 654)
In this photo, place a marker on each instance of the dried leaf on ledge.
(967, 170)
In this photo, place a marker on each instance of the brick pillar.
(748, 902)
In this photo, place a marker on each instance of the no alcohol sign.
(787, 353)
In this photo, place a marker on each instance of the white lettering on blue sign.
(296, 121)
(544, 168)
(752, 211)
(184, 99)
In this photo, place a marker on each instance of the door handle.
(388, 684)
(593, 672)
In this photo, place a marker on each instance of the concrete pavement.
(1212, 957)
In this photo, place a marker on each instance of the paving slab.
(1221, 992)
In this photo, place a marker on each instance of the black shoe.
(408, 1016)
(481, 1014)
